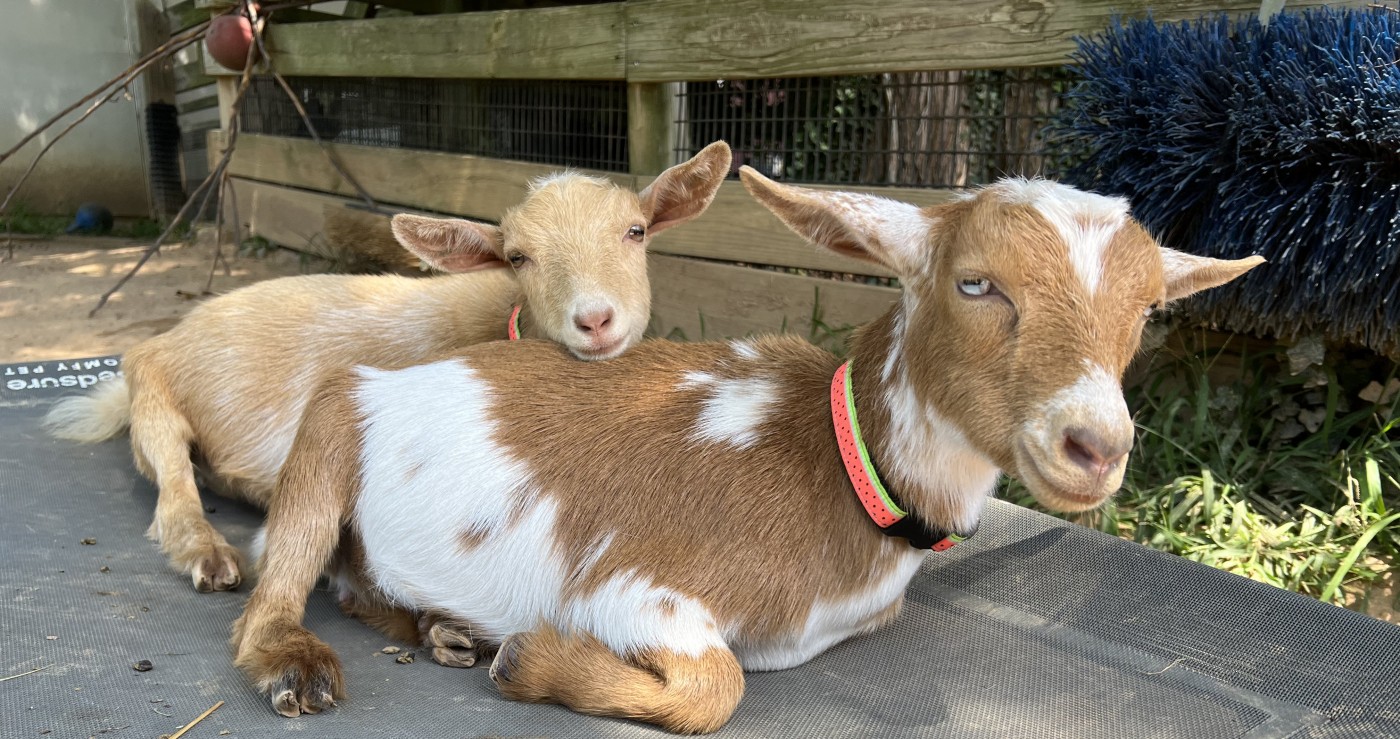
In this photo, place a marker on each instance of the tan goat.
(640, 532)
(230, 381)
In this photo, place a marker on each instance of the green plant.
(1260, 471)
(256, 246)
(835, 339)
(142, 229)
(22, 220)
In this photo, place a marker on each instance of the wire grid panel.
(918, 129)
(568, 123)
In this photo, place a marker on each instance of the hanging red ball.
(228, 40)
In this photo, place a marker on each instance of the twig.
(325, 148)
(306, 119)
(178, 41)
(22, 674)
(191, 724)
(1174, 663)
(218, 233)
(204, 187)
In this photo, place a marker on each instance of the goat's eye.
(975, 286)
(517, 259)
(636, 233)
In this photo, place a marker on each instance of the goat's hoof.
(507, 661)
(451, 641)
(297, 671)
(454, 656)
(289, 703)
(218, 569)
(308, 683)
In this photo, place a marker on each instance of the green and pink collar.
(878, 501)
(513, 325)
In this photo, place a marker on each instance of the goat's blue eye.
(517, 259)
(974, 286)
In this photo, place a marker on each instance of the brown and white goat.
(230, 381)
(640, 532)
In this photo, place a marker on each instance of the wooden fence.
(285, 187)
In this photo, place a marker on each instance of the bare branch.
(310, 127)
(325, 149)
(205, 187)
(218, 232)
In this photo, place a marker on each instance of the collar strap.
(513, 325)
(881, 505)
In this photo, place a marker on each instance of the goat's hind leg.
(678, 692)
(160, 441)
(315, 493)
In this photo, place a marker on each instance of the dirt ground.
(48, 289)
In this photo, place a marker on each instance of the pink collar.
(513, 325)
(878, 502)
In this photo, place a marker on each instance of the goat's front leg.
(678, 692)
(315, 492)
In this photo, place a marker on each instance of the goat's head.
(1023, 303)
(577, 245)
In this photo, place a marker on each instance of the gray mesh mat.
(1033, 628)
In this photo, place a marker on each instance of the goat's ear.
(867, 227)
(450, 244)
(687, 189)
(1188, 274)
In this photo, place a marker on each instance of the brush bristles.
(1233, 139)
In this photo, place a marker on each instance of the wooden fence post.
(652, 138)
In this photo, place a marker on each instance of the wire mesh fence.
(921, 129)
(917, 129)
(572, 124)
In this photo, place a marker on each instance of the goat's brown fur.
(683, 694)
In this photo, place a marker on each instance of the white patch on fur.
(564, 177)
(439, 416)
(1094, 401)
(900, 228)
(1085, 221)
(909, 305)
(744, 349)
(926, 448)
(833, 621)
(733, 411)
(694, 379)
(688, 628)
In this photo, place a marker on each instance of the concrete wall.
(53, 52)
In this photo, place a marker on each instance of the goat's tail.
(98, 416)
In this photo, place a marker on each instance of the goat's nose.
(595, 322)
(1096, 454)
